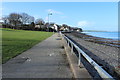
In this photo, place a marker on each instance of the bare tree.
(40, 21)
(31, 19)
(5, 19)
(26, 19)
(65, 25)
(14, 19)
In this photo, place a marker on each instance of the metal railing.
(99, 69)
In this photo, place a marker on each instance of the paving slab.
(45, 60)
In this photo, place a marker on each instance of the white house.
(54, 27)
(37, 26)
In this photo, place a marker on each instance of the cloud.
(85, 23)
(54, 11)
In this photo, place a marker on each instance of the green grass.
(14, 42)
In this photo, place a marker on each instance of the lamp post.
(49, 19)
(49, 16)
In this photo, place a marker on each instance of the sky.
(85, 15)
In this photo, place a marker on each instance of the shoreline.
(99, 40)
(103, 35)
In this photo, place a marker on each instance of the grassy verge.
(15, 42)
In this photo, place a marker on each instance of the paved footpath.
(45, 60)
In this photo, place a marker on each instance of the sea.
(111, 35)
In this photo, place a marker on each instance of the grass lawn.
(15, 42)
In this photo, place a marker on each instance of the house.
(56, 27)
(53, 27)
(76, 29)
(37, 26)
(1, 23)
(64, 29)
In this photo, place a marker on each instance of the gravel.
(104, 55)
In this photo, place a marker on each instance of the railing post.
(60, 33)
(65, 40)
(72, 48)
(68, 43)
(79, 59)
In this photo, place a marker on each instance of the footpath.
(49, 59)
(45, 60)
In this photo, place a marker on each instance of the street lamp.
(48, 16)
(48, 19)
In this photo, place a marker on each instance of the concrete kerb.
(73, 62)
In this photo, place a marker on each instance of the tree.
(31, 19)
(32, 25)
(65, 25)
(40, 21)
(51, 23)
(15, 19)
(26, 19)
(5, 21)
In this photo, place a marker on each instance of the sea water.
(111, 35)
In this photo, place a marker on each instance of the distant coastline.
(96, 39)
(97, 31)
(102, 34)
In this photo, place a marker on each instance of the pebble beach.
(103, 51)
